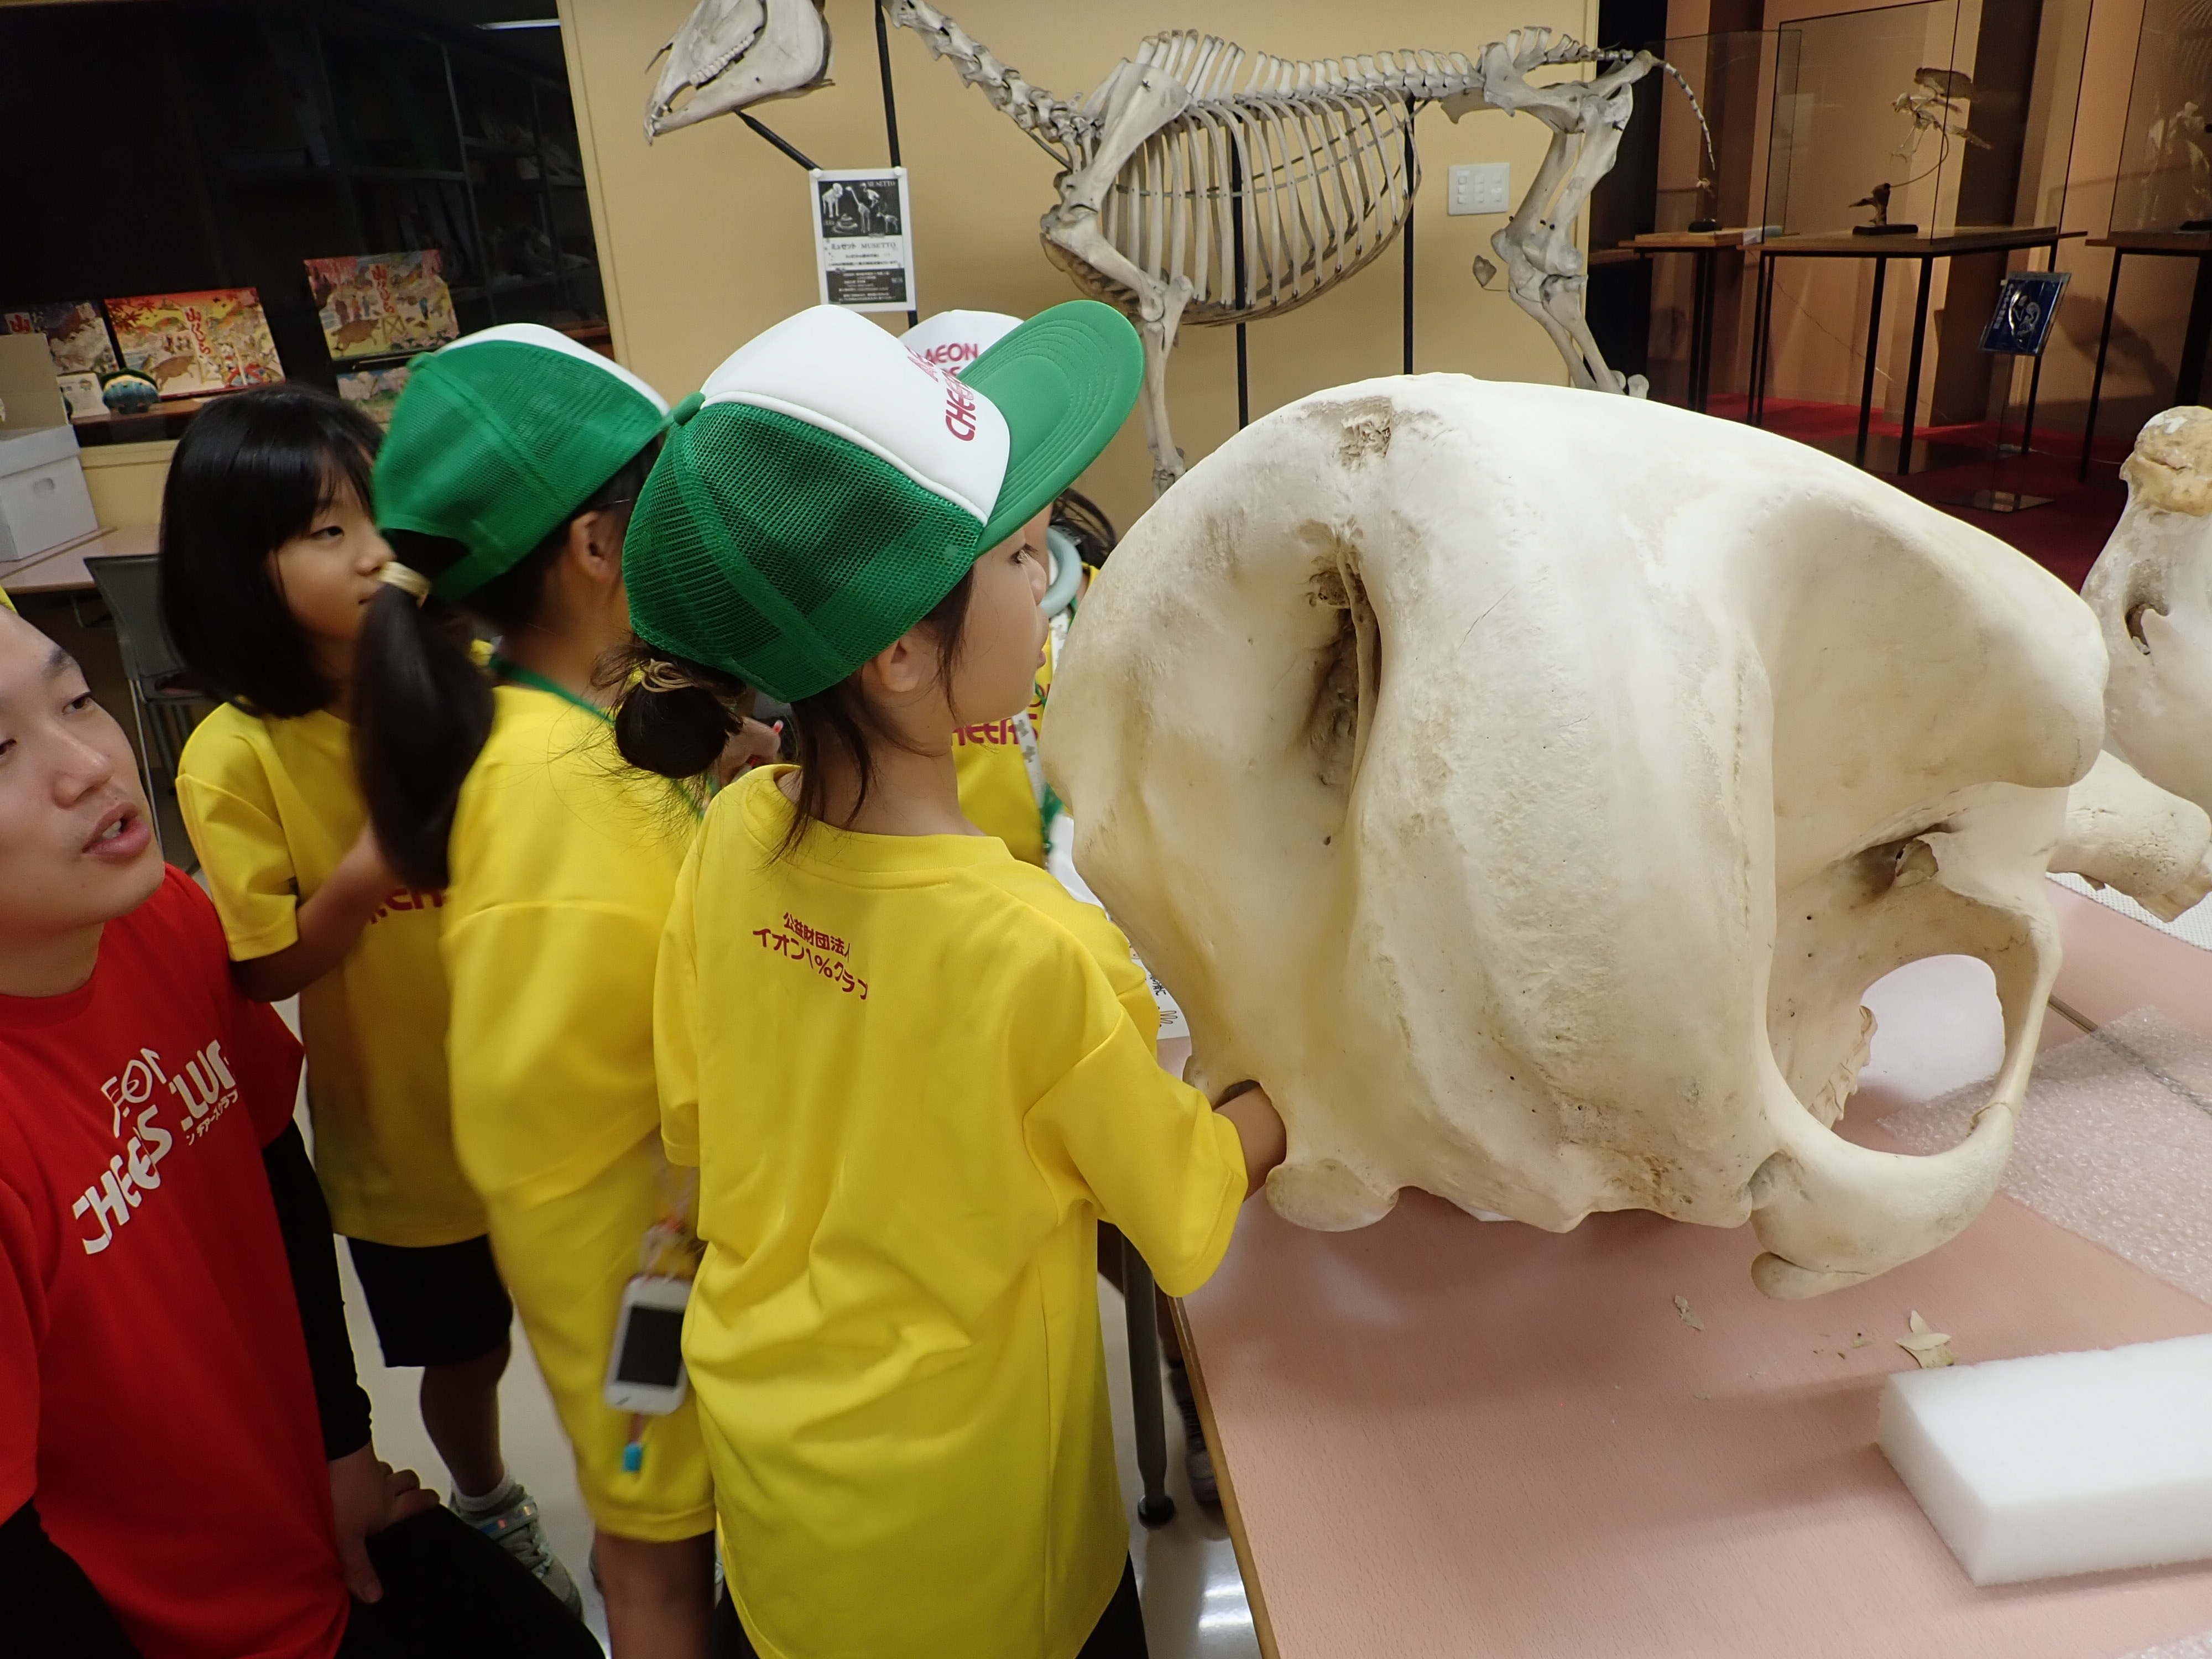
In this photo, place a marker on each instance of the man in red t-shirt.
(185, 1470)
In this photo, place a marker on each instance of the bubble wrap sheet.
(2115, 1144)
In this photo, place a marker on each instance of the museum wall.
(704, 236)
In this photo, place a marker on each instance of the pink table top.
(1441, 1437)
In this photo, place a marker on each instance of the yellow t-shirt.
(997, 793)
(272, 806)
(914, 1074)
(563, 860)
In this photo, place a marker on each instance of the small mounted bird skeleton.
(1202, 184)
(1937, 97)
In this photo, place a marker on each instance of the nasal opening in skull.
(1348, 673)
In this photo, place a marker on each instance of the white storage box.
(43, 500)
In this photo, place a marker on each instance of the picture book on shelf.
(374, 391)
(76, 335)
(383, 305)
(190, 344)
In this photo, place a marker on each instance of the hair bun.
(677, 732)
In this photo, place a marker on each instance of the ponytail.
(421, 707)
(676, 714)
(423, 711)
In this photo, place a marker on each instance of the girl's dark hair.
(251, 471)
(422, 709)
(678, 729)
(1086, 524)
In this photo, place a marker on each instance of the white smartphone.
(645, 1372)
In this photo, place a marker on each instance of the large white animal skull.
(1524, 787)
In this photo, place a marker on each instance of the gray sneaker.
(517, 1530)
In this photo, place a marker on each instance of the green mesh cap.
(500, 437)
(827, 487)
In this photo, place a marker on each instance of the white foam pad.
(2062, 1463)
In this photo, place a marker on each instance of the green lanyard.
(537, 682)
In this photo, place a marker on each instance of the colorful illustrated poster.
(76, 336)
(383, 305)
(374, 391)
(192, 343)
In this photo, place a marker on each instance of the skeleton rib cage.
(1318, 152)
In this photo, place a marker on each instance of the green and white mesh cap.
(954, 339)
(827, 487)
(500, 437)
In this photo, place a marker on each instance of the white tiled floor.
(1194, 1604)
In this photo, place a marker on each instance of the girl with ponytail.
(893, 1335)
(504, 488)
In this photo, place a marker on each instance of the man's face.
(76, 841)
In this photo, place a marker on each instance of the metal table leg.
(2188, 379)
(1762, 340)
(2097, 380)
(1873, 344)
(1701, 313)
(1758, 341)
(1912, 373)
(1155, 1508)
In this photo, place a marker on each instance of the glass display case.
(1873, 121)
(1918, 115)
(2165, 181)
(1728, 75)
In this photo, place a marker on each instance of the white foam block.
(2062, 1463)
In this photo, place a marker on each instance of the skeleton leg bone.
(1564, 295)
(1074, 233)
(1546, 274)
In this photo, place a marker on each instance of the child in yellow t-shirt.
(894, 1333)
(268, 558)
(1001, 775)
(504, 487)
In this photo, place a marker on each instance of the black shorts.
(440, 1305)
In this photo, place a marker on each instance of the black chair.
(164, 703)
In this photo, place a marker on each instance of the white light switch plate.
(1480, 187)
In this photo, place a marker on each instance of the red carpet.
(2064, 536)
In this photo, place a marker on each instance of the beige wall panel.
(704, 234)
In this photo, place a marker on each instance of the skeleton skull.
(1524, 787)
(731, 54)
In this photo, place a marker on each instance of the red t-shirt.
(155, 1395)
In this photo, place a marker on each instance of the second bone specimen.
(2138, 821)
(1524, 787)
(2152, 590)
